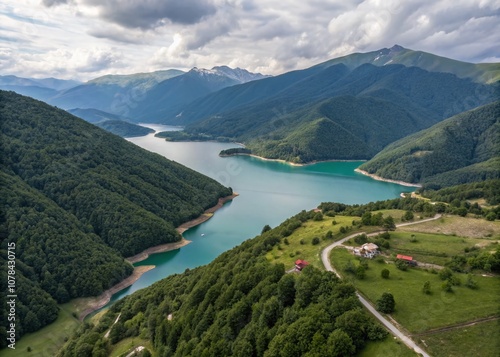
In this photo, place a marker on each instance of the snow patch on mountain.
(237, 74)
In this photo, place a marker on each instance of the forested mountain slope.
(341, 114)
(303, 82)
(478, 72)
(238, 96)
(239, 305)
(113, 123)
(168, 97)
(76, 200)
(94, 115)
(124, 129)
(461, 149)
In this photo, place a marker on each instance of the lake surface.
(269, 192)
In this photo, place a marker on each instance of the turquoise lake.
(269, 192)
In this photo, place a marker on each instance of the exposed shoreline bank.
(378, 178)
(157, 249)
(287, 162)
(95, 303)
(205, 216)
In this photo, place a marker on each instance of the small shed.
(300, 264)
(407, 259)
(404, 257)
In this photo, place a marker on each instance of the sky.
(84, 39)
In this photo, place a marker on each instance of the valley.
(148, 239)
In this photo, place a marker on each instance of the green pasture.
(433, 248)
(48, 340)
(416, 311)
(480, 340)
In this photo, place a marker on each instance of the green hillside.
(76, 200)
(113, 123)
(124, 129)
(343, 128)
(244, 303)
(341, 114)
(239, 305)
(306, 83)
(464, 148)
(478, 72)
(94, 115)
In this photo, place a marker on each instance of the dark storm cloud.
(149, 14)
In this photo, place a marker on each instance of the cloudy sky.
(83, 39)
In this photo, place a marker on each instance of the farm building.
(300, 264)
(367, 250)
(407, 259)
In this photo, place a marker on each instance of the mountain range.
(41, 89)
(76, 200)
(168, 97)
(347, 108)
(334, 112)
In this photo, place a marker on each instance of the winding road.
(325, 257)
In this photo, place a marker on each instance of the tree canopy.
(76, 200)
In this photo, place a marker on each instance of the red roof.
(300, 261)
(404, 257)
(301, 264)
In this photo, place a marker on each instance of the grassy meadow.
(300, 242)
(432, 242)
(457, 342)
(48, 340)
(416, 311)
(433, 248)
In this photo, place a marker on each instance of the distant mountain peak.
(237, 74)
(397, 48)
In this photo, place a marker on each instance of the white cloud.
(86, 38)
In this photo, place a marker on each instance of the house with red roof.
(300, 264)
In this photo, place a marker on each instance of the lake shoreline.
(288, 162)
(205, 216)
(95, 303)
(378, 178)
(157, 249)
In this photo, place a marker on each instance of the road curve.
(325, 258)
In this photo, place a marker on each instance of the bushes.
(361, 239)
(426, 289)
(386, 303)
(401, 265)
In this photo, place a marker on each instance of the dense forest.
(488, 190)
(461, 149)
(124, 129)
(76, 200)
(239, 305)
(242, 305)
(116, 124)
(334, 112)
